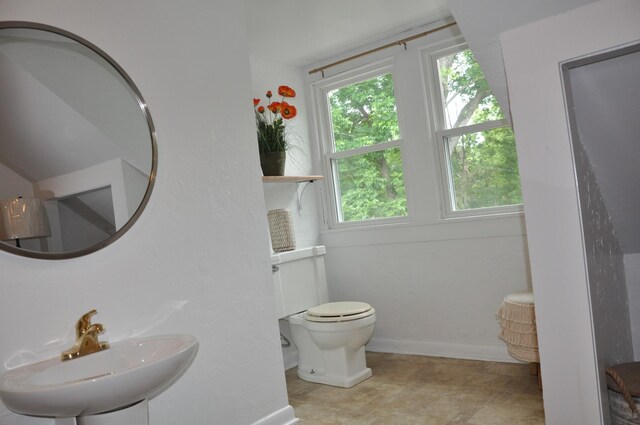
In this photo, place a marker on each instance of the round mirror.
(77, 144)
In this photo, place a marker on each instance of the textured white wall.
(197, 260)
(269, 75)
(532, 53)
(432, 297)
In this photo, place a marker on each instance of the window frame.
(441, 133)
(320, 90)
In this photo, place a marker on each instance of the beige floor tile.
(420, 390)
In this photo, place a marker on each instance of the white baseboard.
(284, 416)
(290, 359)
(496, 353)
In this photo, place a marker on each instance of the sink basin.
(130, 371)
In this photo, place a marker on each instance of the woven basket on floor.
(281, 230)
(623, 382)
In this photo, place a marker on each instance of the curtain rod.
(402, 42)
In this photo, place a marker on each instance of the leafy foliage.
(371, 184)
(484, 168)
(483, 165)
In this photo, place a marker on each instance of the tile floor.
(419, 390)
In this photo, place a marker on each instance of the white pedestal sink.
(105, 388)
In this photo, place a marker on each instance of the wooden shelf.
(290, 179)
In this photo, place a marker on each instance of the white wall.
(269, 75)
(432, 297)
(571, 376)
(197, 260)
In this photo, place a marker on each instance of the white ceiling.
(302, 32)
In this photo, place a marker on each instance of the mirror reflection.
(77, 148)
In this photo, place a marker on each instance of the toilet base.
(336, 381)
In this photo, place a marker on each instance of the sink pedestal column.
(138, 414)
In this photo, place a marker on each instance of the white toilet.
(330, 337)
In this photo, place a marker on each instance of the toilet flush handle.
(275, 268)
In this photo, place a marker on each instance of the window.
(363, 148)
(477, 146)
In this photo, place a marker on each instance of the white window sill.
(509, 224)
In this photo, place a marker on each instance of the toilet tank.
(299, 280)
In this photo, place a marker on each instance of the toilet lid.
(339, 312)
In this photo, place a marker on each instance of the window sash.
(442, 134)
(449, 187)
(331, 157)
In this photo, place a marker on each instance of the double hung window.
(363, 148)
(369, 157)
(476, 143)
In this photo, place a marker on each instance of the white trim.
(435, 115)
(290, 359)
(376, 147)
(476, 227)
(495, 353)
(326, 144)
(473, 128)
(284, 416)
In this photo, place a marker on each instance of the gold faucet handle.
(84, 323)
(87, 338)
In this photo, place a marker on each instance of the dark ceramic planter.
(272, 163)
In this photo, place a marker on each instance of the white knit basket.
(281, 229)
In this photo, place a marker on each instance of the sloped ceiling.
(302, 32)
(64, 108)
(607, 97)
(482, 22)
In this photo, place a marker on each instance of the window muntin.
(364, 153)
(476, 143)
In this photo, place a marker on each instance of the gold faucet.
(86, 338)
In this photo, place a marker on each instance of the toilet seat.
(343, 311)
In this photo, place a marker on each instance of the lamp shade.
(22, 218)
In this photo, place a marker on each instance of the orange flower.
(269, 94)
(286, 91)
(261, 109)
(288, 111)
(256, 101)
(274, 107)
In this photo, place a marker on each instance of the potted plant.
(271, 123)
